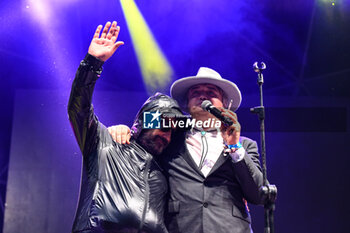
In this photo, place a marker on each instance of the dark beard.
(151, 145)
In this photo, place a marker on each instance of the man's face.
(198, 93)
(155, 141)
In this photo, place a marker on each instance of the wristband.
(236, 146)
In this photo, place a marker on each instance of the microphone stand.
(267, 191)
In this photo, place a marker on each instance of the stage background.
(305, 45)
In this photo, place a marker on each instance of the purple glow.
(305, 45)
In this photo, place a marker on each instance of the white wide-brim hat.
(205, 75)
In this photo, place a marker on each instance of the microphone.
(208, 106)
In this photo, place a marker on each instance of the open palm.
(104, 46)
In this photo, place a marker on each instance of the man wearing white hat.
(212, 172)
(208, 187)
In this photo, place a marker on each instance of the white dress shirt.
(206, 146)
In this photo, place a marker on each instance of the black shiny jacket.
(122, 186)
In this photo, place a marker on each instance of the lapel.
(185, 154)
(221, 160)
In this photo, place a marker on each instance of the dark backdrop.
(304, 44)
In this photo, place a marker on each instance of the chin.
(156, 151)
(196, 110)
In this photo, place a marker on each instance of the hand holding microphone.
(230, 128)
(208, 106)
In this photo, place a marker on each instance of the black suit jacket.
(213, 203)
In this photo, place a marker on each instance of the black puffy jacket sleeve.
(80, 110)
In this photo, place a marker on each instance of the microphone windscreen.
(206, 104)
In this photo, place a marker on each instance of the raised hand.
(104, 46)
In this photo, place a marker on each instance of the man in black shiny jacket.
(122, 186)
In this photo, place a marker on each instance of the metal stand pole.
(268, 191)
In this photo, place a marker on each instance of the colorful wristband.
(236, 146)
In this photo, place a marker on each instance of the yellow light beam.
(155, 69)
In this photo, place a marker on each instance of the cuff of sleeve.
(238, 155)
(93, 61)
